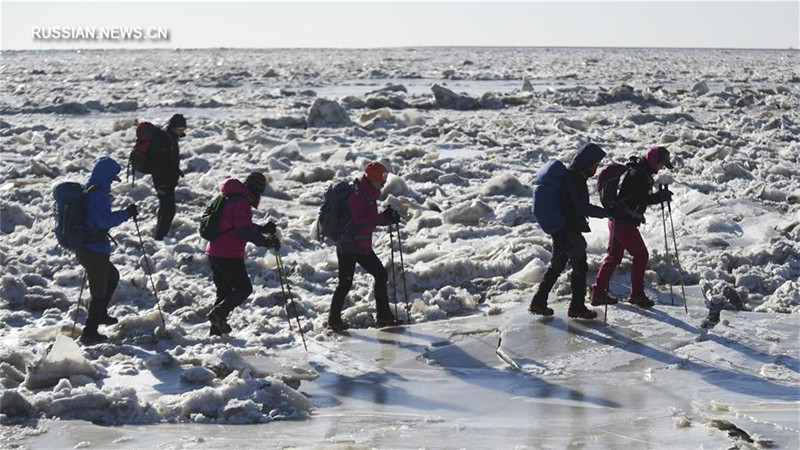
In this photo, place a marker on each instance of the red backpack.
(140, 158)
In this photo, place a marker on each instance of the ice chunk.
(198, 375)
(63, 360)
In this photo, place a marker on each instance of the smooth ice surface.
(645, 379)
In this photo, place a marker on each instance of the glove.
(269, 228)
(664, 195)
(391, 215)
(273, 243)
(133, 211)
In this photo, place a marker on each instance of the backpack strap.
(621, 205)
(97, 235)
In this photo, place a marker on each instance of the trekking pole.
(149, 273)
(283, 293)
(666, 246)
(677, 258)
(394, 278)
(403, 272)
(80, 302)
(610, 253)
(290, 298)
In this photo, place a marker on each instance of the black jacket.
(635, 191)
(165, 151)
(575, 204)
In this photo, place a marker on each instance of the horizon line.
(399, 47)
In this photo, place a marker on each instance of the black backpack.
(70, 215)
(209, 222)
(334, 216)
(608, 185)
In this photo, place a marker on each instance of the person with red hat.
(355, 246)
(633, 199)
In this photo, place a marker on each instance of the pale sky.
(717, 24)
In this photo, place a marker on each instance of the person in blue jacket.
(569, 244)
(95, 254)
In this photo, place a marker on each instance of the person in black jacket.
(569, 244)
(356, 247)
(635, 195)
(166, 171)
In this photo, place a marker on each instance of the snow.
(473, 369)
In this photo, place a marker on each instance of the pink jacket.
(237, 213)
(364, 211)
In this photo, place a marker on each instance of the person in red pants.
(635, 195)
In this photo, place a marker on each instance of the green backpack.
(209, 222)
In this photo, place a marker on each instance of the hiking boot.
(337, 327)
(215, 331)
(220, 322)
(108, 320)
(90, 337)
(388, 322)
(603, 299)
(582, 313)
(640, 299)
(541, 310)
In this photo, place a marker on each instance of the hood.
(658, 155)
(234, 186)
(104, 173)
(588, 154)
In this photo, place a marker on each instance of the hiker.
(166, 172)
(95, 254)
(568, 243)
(226, 252)
(355, 246)
(633, 199)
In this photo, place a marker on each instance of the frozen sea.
(473, 369)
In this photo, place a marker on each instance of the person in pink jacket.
(226, 252)
(356, 246)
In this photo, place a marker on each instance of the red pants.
(623, 236)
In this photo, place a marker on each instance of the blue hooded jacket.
(98, 203)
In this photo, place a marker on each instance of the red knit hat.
(376, 172)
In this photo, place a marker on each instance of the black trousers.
(233, 284)
(567, 246)
(166, 211)
(347, 268)
(103, 279)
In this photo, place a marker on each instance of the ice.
(473, 369)
(63, 360)
(237, 400)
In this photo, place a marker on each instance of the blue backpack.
(70, 215)
(547, 196)
(334, 216)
